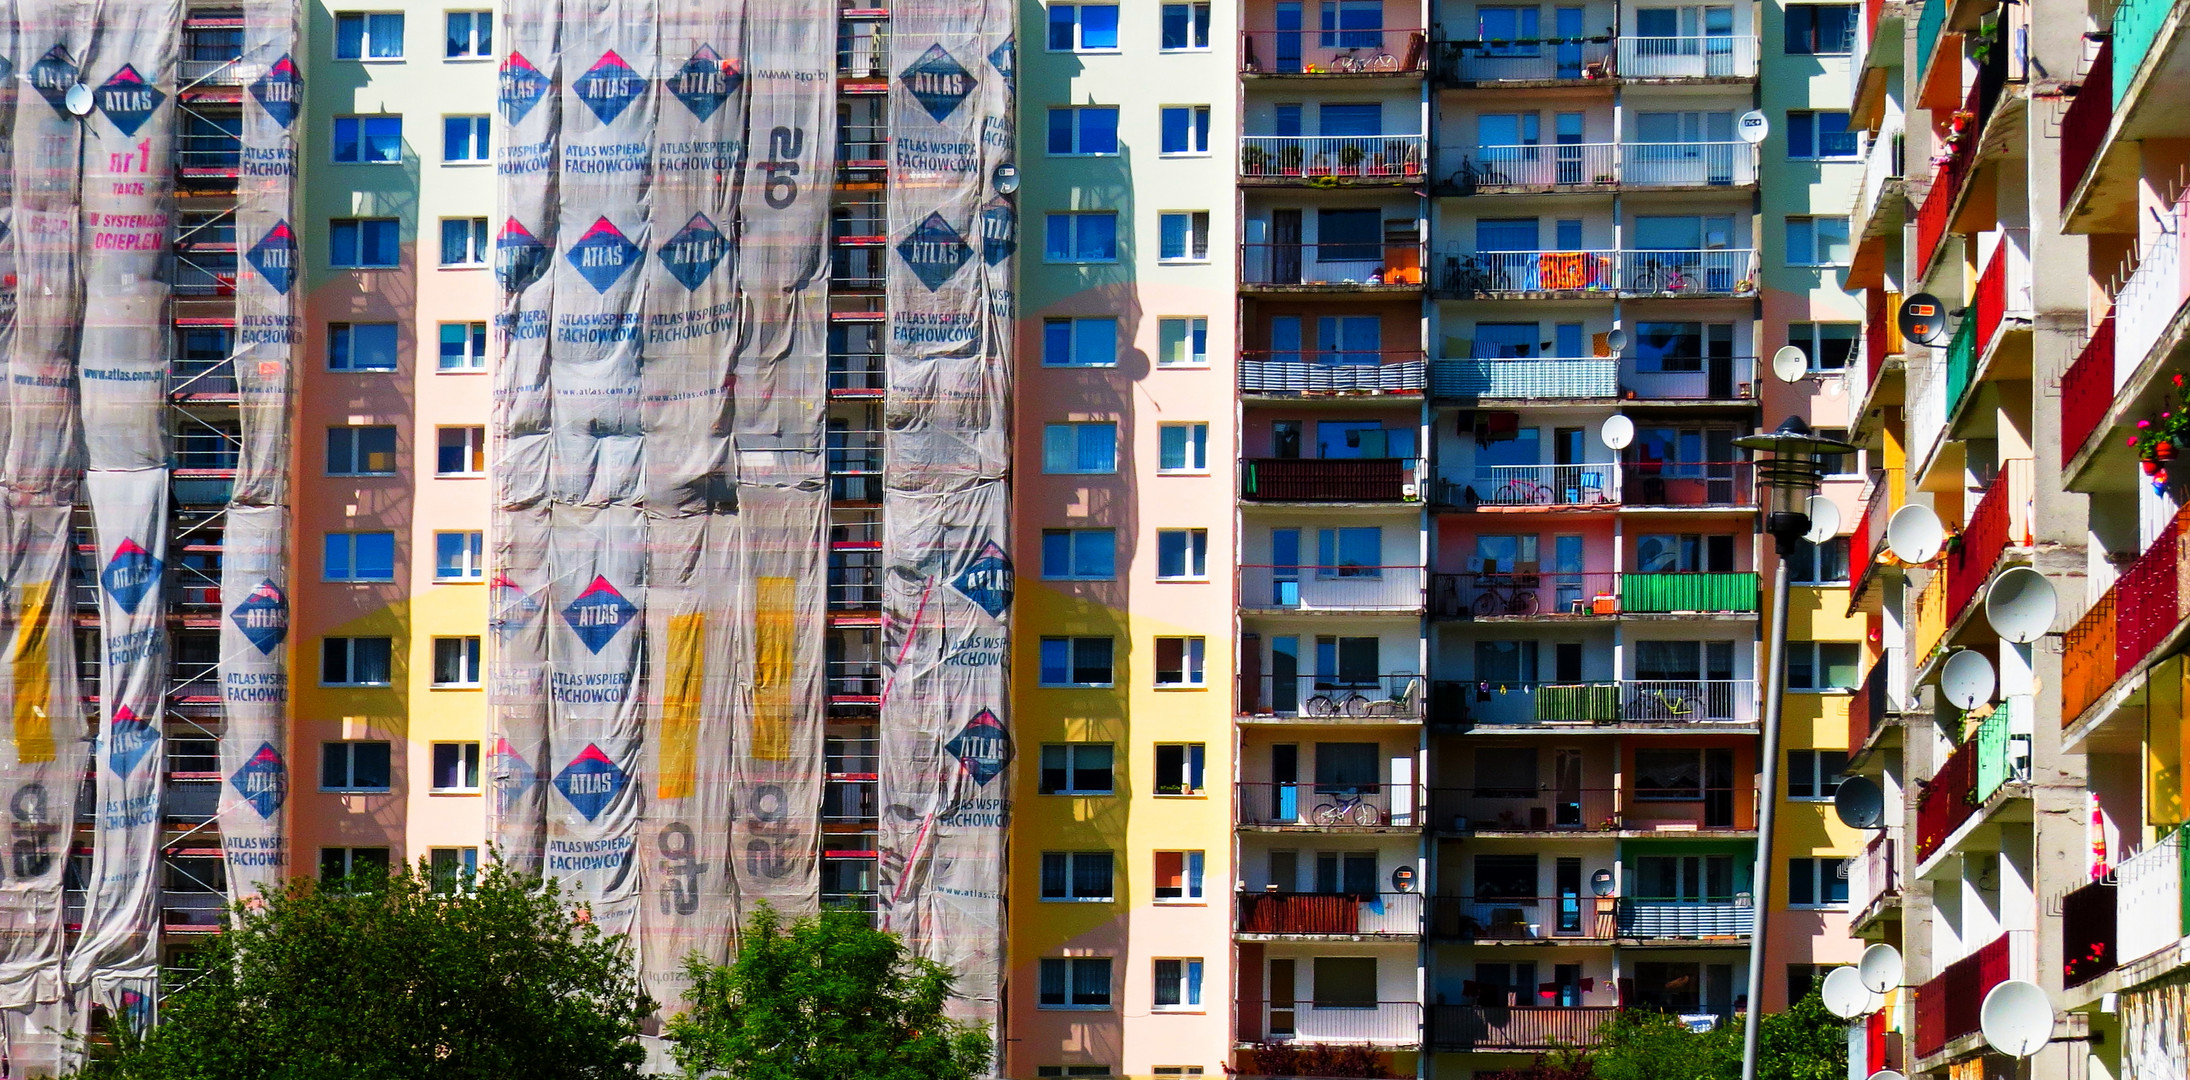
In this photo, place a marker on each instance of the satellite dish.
(1844, 994)
(1601, 883)
(1790, 364)
(1752, 127)
(2021, 604)
(1886, 1074)
(1859, 802)
(1914, 534)
(2017, 1018)
(1880, 968)
(1824, 519)
(78, 100)
(1617, 432)
(1006, 178)
(1923, 319)
(1967, 679)
(1616, 341)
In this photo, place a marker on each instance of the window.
(360, 556)
(1829, 346)
(1182, 448)
(464, 139)
(354, 661)
(1178, 984)
(1080, 342)
(1179, 661)
(1083, 130)
(353, 766)
(456, 766)
(1077, 982)
(362, 243)
(1179, 768)
(1820, 135)
(1076, 661)
(1076, 769)
(1828, 666)
(1819, 564)
(1353, 24)
(1185, 26)
(452, 868)
(1178, 877)
(374, 35)
(1817, 241)
(336, 863)
(1801, 979)
(1079, 554)
(1352, 551)
(1182, 342)
(1080, 448)
(464, 241)
(1820, 29)
(1083, 27)
(1076, 875)
(1182, 554)
(1817, 882)
(458, 556)
(1815, 774)
(1345, 982)
(1083, 236)
(1184, 236)
(463, 346)
(456, 661)
(368, 346)
(368, 140)
(462, 451)
(1185, 129)
(471, 35)
(1669, 775)
(361, 451)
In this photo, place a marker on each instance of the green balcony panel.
(1961, 356)
(1666, 593)
(1928, 26)
(1578, 703)
(2136, 26)
(1993, 766)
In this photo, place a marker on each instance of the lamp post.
(1789, 469)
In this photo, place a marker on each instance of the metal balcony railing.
(1329, 479)
(1338, 264)
(1523, 809)
(1385, 371)
(1687, 483)
(2088, 923)
(1696, 164)
(1875, 875)
(1308, 804)
(201, 155)
(1305, 1022)
(862, 143)
(1945, 802)
(1689, 699)
(1652, 701)
(2153, 601)
(188, 379)
(1584, 59)
(1728, 917)
(2001, 518)
(1324, 697)
(850, 802)
(1594, 483)
(2150, 899)
(2087, 390)
(1530, 165)
(1371, 51)
(863, 49)
(1628, 272)
(1691, 378)
(1948, 1005)
(1524, 593)
(1289, 914)
(2146, 302)
(856, 374)
(1710, 56)
(1522, 378)
(1517, 1027)
(1574, 917)
(2083, 126)
(854, 678)
(1330, 588)
(1344, 157)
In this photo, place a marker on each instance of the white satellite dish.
(1880, 968)
(1790, 364)
(1824, 519)
(78, 100)
(1886, 1074)
(1616, 341)
(2017, 1018)
(1967, 679)
(2020, 604)
(1844, 994)
(1617, 432)
(1752, 127)
(1914, 534)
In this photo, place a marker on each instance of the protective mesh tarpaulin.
(946, 744)
(42, 755)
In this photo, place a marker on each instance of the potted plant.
(1289, 160)
(1253, 160)
(1349, 159)
(1320, 165)
(2159, 439)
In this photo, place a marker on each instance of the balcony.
(2088, 659)
(1526, 379)
(1686, 920)
(2088, 921)
(1537, 167)
(2152, 584)
(1971, 775)
(1330, 589)
(1368, 269)
(2145, 305)
(1961, 363)
(1519, 919)
(1608, 703)
(1383, 51)
(1523, 810)
(1327, 807)
(1322, 159)
(1947, 1007)
(1713, 57)
(1874, 877)
(1332, 373)
(1269, 916)
(1308, 1023)
(863, 49)
(201, 381)
(1594, 484)
(1482, 1028)
(2002, 288)
(2150, 899)
(1541, 60)
(854, 683)
(2084, 126)
(1869, 538)
(1338, 698)
(1869, 710)
(1930, 616)
(1696, 484)
(1688, 593)
(2087, 391)
(1632, 273)
(1524, 595)
(1329, 480)
(2000, 520)
(853, 460)
(2137, 25)
(1689, 378)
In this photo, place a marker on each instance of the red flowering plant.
(2159, 438)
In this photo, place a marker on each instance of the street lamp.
(1789, 468)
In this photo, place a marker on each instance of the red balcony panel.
(1946, 801)
(1877, 328)
(2141, 626)
(1992, 297)
(2083, 126)
(2087, 389)
(1947, 1007)
(1996, 522)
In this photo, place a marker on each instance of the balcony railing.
(1530, 165)
(1308, 804)
(1881, 333)
(2088, 924)
(2145, 304)
(1731, 917)
(200, 380)
(1331, 265)
(1651, 701)
(2087, 390)
(2083, 126)
(1575, 917)
(1311, 1023)
(1668, 593)
(2088, 659)
(1687, 483)
(1537, 60)
(2149, 895)
(1691, 378)
(1330, 588)
(2002, 755)
(1544, 377)
(2153, 606)
(856, 374)
(863, 49)
(1636, 272)
(2001, 519)
(1517, 1027)
(1590, 484)
(1343, 157)
(1961, 363)
(1867, 707)
(1522, 594)
(1525, 809)
(1713, 56)
(1330, 479)
(1375, 51)
(1869, 536)
(1697, 164)
(851, 680)
(1930, 616)
(1330, 697)
(1384, 371)
(2003, 287)
(2136, 26)
(1947, 1007)
(1873, 877)
(231, 71)
(1282, 914)
(1945, 803)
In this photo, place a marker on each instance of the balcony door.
(1282, 1005)
(1499, 985)
(1348, 339)
(1347, 663)
(1569, 586)
(1285, 674)
(1718, 788)
(1349, 873)
(1685, 879)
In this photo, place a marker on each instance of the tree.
(1806, 1042)
(827, 998)
(401, 976)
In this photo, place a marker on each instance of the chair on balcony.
(1403, 702)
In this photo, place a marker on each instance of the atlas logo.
(263, 617)
(1005, 59)
(277, 91)
(519, 259)
(513, 775)
(705, 82)
(598, 614)
(514, 608)
(52, 76)
(999, 231)
(609, 87)
(691, 255)
(263, 781)
(521, 87)
(602, 255)
(982, 747)
(938, 82)
(130, 574)
(590, 781)
(128, 100)
(275, 257)
(934, 251)
(987, 580)
(130, 739)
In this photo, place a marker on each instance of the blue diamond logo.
(598, 614)
(938, 82)
(602, 255)
(691, 255)
(127, 99)
(519, 258)
(987, 580)
(130, 739)
(52, 75)
(521, 87)
(609, 87)
(590, 781)
(263, 781)
(934, 251)
(513, 775)
(275, 257)
(982, 747)
(705, 82)
(999, 231)
(263, 617)
(130, 574)
(277, 91)
(1005, 59)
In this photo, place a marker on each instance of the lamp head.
(1790, 467)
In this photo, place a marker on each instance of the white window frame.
(1164, 12)
(1817, 144)
(1076, 33)
(347, 541)
(475, 349)
(477, 141)
(1072, 751)
(1053, 436)
(1194, 766)
(1193, 448)
(1193, 671)
(366, 37)
(465, 650)
(1195, 554)
(362, 140)
(1196, 226)
(464, 759)
(473, 444)
(1072, 343)
(1193, 335)
(1197, 130)
(471, 547)
(1816, 257)
(473, 249)
(474, 48)
(1072, 664)
(1193, 869)
(346, 750)
(1808, 766)
(1820, 868)
(1817, 667)
(1184, 978)
(1072, 221)
(1071, 860)
(342, 341)
(1810, 338)
(334, 256)
(1072, 554)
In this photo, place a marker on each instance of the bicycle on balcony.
(1353, 63)
(1667, 704)
(1522, 491)
(1470, 176)
(1351, 808)
(1518, 596)
(1664, 277)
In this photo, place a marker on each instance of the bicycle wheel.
(1523, 602)
(1330, 814)
(1486, 603)
(1367, 816)
(1356, 706)
(1385, 62)
(1319, 705)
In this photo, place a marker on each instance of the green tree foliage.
(397, 978)
(1806, 1042)
(827, 998)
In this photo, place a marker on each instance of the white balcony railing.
(1711, 56)
(2146, 302)
(1342, 156)
(1530, 377)
(2148, 895)
(1533, 165)
(1588, 484)
(1698, 164)
(1331, 588)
